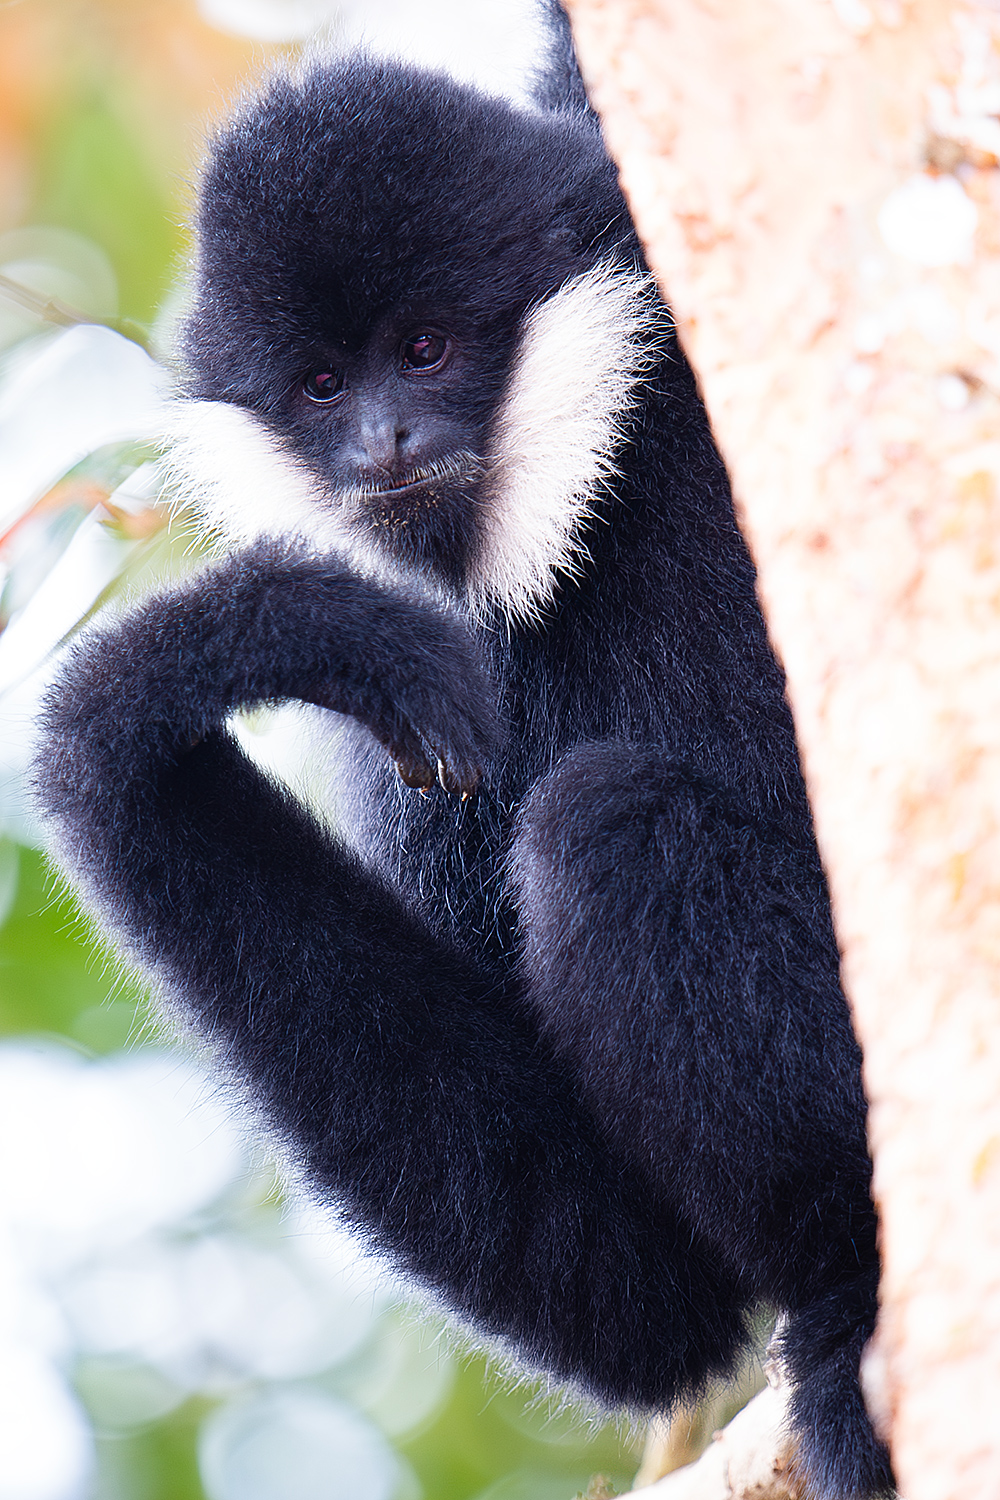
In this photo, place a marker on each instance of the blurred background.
(175, 1321)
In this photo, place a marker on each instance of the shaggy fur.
(573, 1050)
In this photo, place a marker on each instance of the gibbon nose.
(384, 447)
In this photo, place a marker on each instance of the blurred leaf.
(33, 545)
(65, 399)
(52, 276)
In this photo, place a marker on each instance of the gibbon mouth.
(399, 489)
(462, 469)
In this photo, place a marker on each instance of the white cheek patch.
(583, 352)
(240, 481)
(244, 485)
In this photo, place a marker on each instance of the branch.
(750, 1459)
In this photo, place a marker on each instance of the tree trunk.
(817, 186)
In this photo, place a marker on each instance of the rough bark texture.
(817, 183)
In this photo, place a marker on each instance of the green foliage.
(93, 177)
(51, 978)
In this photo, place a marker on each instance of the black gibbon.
(554, 1015)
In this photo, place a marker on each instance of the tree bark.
(816, 182)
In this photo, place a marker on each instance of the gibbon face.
(433, 383)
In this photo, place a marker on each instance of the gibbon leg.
(679, 954)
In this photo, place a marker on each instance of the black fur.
(574, 1051)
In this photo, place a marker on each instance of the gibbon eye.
(324, 384)
(424, 352)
